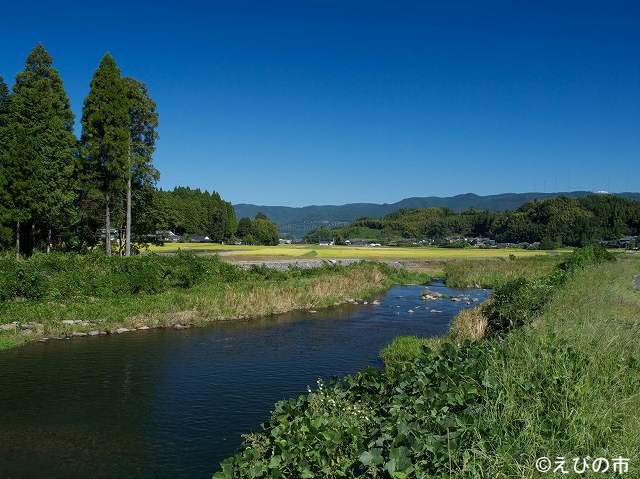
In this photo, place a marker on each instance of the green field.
(337, 252)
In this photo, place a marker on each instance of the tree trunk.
(127, 240)
(17, 239)
(107, 232)
(49, 241)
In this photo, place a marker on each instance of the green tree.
(39, 163)
(221, 220)
(5, 232)
(4, 103)
(141, 173)
(264, 231)
(105, 135)
(4, 98)
(230, 222)
(244, 229)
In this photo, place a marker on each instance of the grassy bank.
(557, 375)
(569, 385)
(57, 295)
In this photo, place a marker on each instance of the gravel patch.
(284, 265)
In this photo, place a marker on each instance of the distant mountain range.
(296, 221)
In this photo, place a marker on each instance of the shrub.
(58, 276)
(20, 280)
(516, 303)
(587, 256)
(183, 270)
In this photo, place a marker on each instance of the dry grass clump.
(469, 324)
(261, 300)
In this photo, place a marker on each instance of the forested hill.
(552, 222)
(297, 221)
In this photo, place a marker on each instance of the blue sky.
(328, 102)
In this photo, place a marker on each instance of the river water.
(173, 404)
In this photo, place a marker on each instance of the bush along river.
(173, 404)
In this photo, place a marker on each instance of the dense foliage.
(552, 222)
(259, 230)
(59, 276)
(61, 193)
(187, 211)
(417, 418)
(68, 276)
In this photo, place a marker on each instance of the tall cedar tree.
(4, 105)
(105, 135)
(143, 119)
(41, 150)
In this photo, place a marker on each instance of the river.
(173, 404)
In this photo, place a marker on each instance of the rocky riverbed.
(429, 295)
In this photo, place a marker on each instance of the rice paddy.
(244, 252)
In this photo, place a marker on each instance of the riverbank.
(557, 375)
(67, 296)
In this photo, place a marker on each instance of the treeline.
(188, 211)
(552, 222)
(58, 190)
(61, 192)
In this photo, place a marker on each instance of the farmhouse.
(166, 236)
(359, 242)
(200, 239)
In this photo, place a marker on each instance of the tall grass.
(569, 386)
(489, 273)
